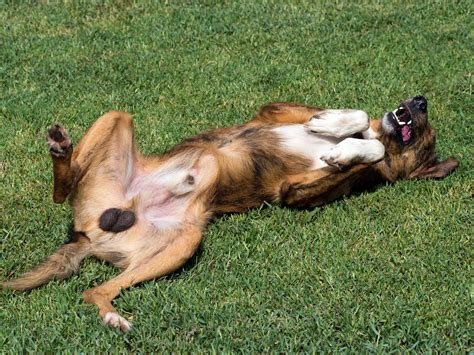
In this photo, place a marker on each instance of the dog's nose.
(420, 102)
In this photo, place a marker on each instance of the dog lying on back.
(146, 215)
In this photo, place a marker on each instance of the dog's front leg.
(353, 151)
(350, 165)
(338, 123)
(167, 260)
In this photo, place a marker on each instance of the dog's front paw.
(316, 124)
(338, 123)
(353, 151)
(113, 319)
(58, 141)
(337, 157)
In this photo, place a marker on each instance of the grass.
(387, 271)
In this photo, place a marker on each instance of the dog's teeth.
(396, 117)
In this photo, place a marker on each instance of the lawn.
(385, 271)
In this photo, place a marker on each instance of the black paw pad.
(116, 220)
(58, 141)
(56, 134)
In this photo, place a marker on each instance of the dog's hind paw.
(115, 320)
(58, 141)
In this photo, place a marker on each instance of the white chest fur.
(300, 140)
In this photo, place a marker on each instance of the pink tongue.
(406, 133)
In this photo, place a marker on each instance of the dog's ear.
(437, 171)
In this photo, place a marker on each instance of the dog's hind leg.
(60, 148)
(109, 140)
(105, 161)
(161, 262)
(94, 174)
(107, 148)
(58, 266)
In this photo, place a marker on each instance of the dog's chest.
(298, 140)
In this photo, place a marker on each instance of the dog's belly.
(299, 140)
(160, 198)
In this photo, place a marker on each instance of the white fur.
(339, 123)
(370, 134)
(352, 151)
(161, 195)
(386, 125)
(176, 181)
(116, 321)
(326, 147)
(297, 139)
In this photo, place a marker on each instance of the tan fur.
(284, 112)
(146, 215)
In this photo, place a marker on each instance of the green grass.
(378, 272)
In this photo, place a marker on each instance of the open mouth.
(402, 122)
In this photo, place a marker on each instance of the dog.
(146, 215)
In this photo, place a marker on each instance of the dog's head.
(410, 142)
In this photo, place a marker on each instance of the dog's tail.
(60, 265)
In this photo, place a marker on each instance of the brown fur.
(146, 214)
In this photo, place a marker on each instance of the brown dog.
(146, 215)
